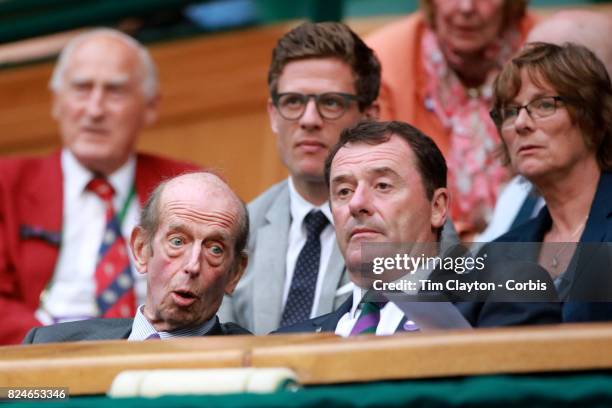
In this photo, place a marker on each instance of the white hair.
(149, 82)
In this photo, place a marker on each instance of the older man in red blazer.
(64, 218)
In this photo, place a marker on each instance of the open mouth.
(183, 297)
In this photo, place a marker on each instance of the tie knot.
(102, 188)
(315, 221)
(154, 336)
(371, 307)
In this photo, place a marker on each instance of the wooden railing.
(89, 367)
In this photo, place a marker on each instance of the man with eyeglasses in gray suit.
(322, 79)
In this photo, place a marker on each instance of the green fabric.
(559, 390)
(367, 309)
(126, 204)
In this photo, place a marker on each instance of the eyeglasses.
(536, 109)
(330, 105)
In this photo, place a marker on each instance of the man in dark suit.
(190, 245)
(387, 184)
(53, 225)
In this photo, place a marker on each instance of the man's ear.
(140, 249)
(272, 115)
(237, 272)
(372, 112)
(151, 110)
(55, 106)
(439, 207)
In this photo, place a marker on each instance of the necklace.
(555, 258)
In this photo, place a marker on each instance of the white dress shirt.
(70, 295)
(142, 328)
(390, 317)
(299, 208)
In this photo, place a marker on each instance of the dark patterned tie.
(301, 293)
(368, 319)
(114, 281)
(154, 336)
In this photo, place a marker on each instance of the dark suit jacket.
(478, 314)
(325, 323)
(31, 206)
(106, 329)
(257, 301)
(590, 270)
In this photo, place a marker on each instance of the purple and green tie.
(368, 319)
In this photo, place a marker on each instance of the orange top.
(398, 47)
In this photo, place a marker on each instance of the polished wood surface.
(89, 367)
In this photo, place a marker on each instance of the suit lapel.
(41, 209)
(335, 277)
(601, 209)
(124, 331)
(151, 170)
(144, 181)
(270, 264)
(328, 323)
(583, 264)
(44, 196)
(110, 329)
(216, 330)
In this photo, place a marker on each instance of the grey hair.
(149, 83)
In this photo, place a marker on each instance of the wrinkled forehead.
(201, 198)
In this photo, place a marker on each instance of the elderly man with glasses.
(322, 79)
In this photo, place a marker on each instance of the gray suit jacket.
(104, 329)
(257, 301)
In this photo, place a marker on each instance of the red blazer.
(31, 206)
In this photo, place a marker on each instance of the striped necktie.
(114, 281)
(368, 319)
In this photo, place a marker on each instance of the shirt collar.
(300, 207)
(358, 294)
(76, 176)
(142, 328)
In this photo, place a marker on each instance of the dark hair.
(578, 76)
(149, 218)
(513, 11)
(325, 40)
(429, 159)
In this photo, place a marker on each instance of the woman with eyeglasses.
(553, 111)
(438, 68)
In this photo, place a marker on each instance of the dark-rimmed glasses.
(536, 109)
(330, 105)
